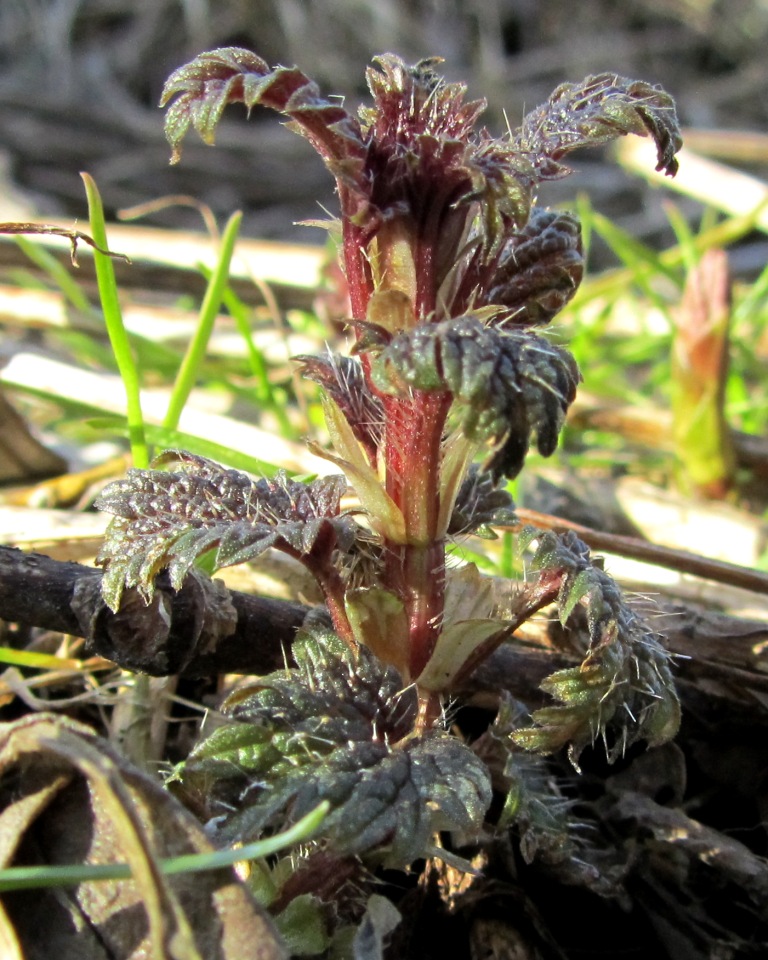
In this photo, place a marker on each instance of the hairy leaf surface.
(338, 728)
(624, 688)
(417, 152)
(168, 519)
(539, 268)
(597, 110)
(480, 503)
(344, 380)
(533, 802)
(511, 384)
(204, 87)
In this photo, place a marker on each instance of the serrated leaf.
(539, 268)
(533, 801)
(169, 519)
(337, 728)
(202, 88)
(597, 110)
(624, 687)
(480, 503)
(510, 385)
(574, 589)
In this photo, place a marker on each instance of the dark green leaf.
(533, 803)
(203, 87)
(338, 728)
(510, 384)
(169, 519)
(539, 269)
(481, 502)
(597, 110)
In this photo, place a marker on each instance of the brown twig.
(172, 637)
(192, 632)
(667, 557)
(49, 229)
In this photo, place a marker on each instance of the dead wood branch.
(201, 630)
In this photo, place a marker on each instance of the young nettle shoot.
(453, 273)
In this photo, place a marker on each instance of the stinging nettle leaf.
(201, 89)
(510, 384)
(480, 503)
(338, 727)
(533, 802)
(539, 268)
(169, 519)
(597, 110)
(624, 688)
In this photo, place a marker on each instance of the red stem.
(415, 570)
(355, 266)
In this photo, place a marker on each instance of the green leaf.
(624, 690)
(380, 919)
(113, 318)
(195, 353)
(539, 268)
(202, 88)
(303, 927)
(595, 111)
(509, 385)
(574, 589)
(170, 519)
(57, 875)
(480, 503)
(338, 728)
(533, 803)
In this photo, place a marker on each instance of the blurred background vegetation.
(80, 81)
(79, 85)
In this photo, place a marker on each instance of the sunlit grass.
(621, 323)
(33, 878)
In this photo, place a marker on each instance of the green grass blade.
(37, 661)
(686, 238)
(613, 282)
(28, 878)
(167, 439)
(211, 305)
(264, 392)
(57, 272)
(644, 263)
(110, 305)
(753, 300)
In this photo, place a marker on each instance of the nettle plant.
(452, 272)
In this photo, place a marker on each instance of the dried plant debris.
(68, 798)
